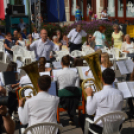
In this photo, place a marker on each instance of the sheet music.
(84, 69)
(44, 73)
(47, 65)
(57, 65)
(123, 87)
(122, 67)
(131, 87)
(129, 65)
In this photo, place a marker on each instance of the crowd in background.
(42, 45)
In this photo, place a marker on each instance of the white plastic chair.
(44, 128)
(111, 123)
(76, 53)
(60, 54)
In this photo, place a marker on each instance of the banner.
(2, 10)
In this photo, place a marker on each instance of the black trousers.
(130, 103)
(131, 55)
(95, 128)
(75, 47)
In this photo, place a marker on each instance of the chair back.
(44, 128)
(76, 53)
(2, 48)
(112, 121)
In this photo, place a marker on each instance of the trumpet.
(94, 64)
(33, 73)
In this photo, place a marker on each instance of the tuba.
(94, 64)
(33, 73)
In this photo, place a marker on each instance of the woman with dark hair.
(100, 38)
(59, 35)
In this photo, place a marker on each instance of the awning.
(2, 10)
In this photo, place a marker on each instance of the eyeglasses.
(89, 37)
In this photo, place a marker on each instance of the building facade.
(117, 9)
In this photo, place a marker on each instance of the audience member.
(104, 15)
(102, 102)
(15, 36)
(22, 25)
(90, 42)
(40, 108)
(90, 13)
(59, 35)
(57, 44)
(117, 37)
(64, 42)
(128, 46)
(43, 46)
(100, 38)
(78, 14)
(75, 36)
(5, 118)
(24, 34)
(66, 77)
(21, 41)
(8, 43)
(35, 34)
(29, 40)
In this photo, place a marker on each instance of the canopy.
(2, 10)
(56, 10)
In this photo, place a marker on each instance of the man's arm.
(91, 102)
(9, 124)
(23, 112)
(31, 47)
(84, 34)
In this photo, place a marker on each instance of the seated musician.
(130, 100)
(128, 46)
(40, 108)
(102, 102)
(41, 68)
(105, 63)
(66, 77)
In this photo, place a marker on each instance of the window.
(120, 8)
(129, 8)
(73, 8)
(111, 8)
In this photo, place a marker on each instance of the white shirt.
(22, 26)
(35, 35)
(42, 49)
(107, 100)
(76, 40)
(40, 108)
(22, 43)
(129, 47)
(66, 78)
(25, 80)
(105, 14)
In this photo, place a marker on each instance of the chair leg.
(58, 117)
(79, 112)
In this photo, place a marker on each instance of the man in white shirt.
(40, 108)
(66, 77)
(43, 46)
(75, 36)
(103, 102)
(22, 25)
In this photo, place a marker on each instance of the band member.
(102, 102)
(66, 77)
(40, 108)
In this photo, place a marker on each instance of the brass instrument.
(94, 64)
(33, 73)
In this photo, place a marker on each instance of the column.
(67, 11)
